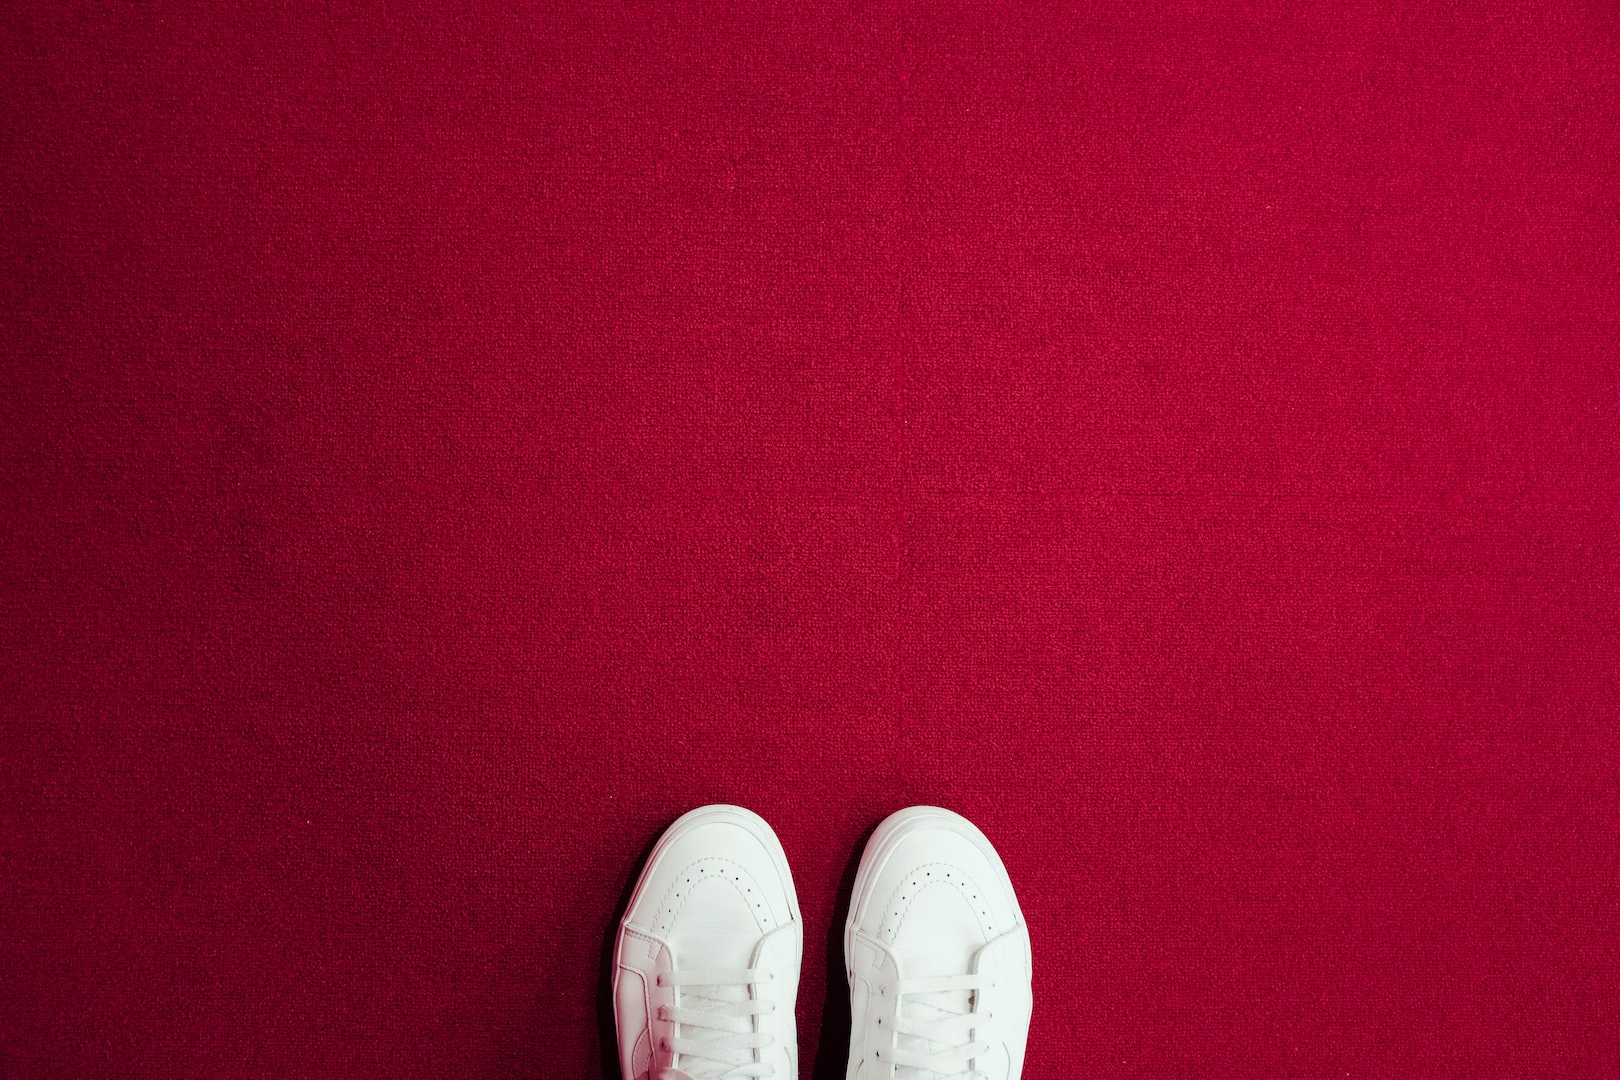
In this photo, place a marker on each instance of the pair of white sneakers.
(706, 971)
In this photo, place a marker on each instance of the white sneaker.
(937, 955)
(706, 970)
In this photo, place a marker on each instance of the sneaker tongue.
(707, 998)
(717, 930)
(928, 1008)
(941, 935)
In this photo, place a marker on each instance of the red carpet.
(439, 448)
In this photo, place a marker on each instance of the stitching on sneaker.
(920, 879)
(713, 866)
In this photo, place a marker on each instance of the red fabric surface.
(441, 447)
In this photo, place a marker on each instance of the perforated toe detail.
(703, 870)
(929, 875)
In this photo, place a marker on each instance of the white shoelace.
(934, 1037)
(714, 1024)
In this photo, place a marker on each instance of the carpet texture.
(442, 445)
